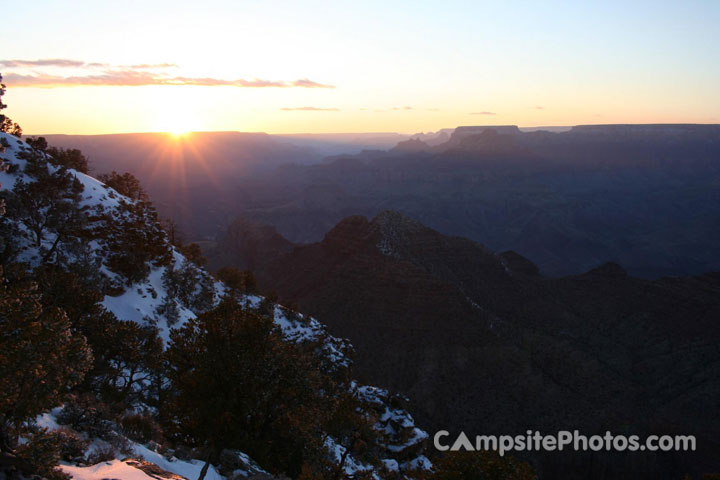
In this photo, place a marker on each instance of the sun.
(174, 121)
(175, 126)
(178, 132)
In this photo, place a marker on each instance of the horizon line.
(388, 132)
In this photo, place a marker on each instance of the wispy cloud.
(309, 109)
(69, 63)
(32, 74)
(403, 108)
(134, 78)
(304, 82)
(144, 66)
(539, 107)
(50, 62)
(483, 113)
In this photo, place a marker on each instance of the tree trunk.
(52, 250)
(205, 468)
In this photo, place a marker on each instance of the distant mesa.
(452, 138)
(461, 132)
(411, 145)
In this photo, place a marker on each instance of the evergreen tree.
(49, 202)
(481, 465)
(238, 384)
(135, 241)
(238, 281)
(193, 252)
(130, 355)
(126, 354)
(190, 286)
(175, 235)
(39, 143)
(40, 357)
(69, 158)
(125, 184)
(7, 125)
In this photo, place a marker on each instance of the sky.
(297, 66)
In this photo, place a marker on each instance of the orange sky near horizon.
(332, 67)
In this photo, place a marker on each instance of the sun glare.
(176, 126)
(178, 132)
(174, 121)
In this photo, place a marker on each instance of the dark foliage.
(126, 354)
(42, 452)
(85, 413)
(40, 357)
(7, 125)
(48, 204)
(141, 428)
(69, 158)
(193, 252)
(481, 465)
(136, 241)
(125, 184)
(72, 445)
(192, 287)
(38, 143)
(239, 385)
(239, 281)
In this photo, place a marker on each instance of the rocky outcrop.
(484, 344)
(519, 264)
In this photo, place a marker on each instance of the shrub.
(85, 413)
(482, 465)
(72, 445)
(239, 385)
(42, 453)
(101, 453)
(238, 281)
(141, 428)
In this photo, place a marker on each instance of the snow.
(7, 179)
(47, 420)
(114, 469)
(391, 465)
(392, 421)
(137, 303)
(421, 462)
(95, 193)
(351, 465)
(306, 329)
(188, 469)
(119, 470)
(140, 301)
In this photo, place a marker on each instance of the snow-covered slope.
(146, 301)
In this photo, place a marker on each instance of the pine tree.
(7, 125)
(125, 184)
(193, 252)
(135, 241)
(238, 385)
(48, 203)
(69, 158)
(481, 465)
(238, 281)
(40, 356)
